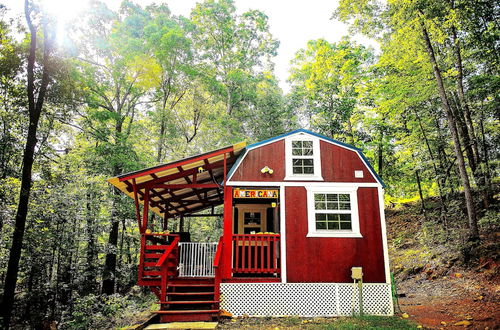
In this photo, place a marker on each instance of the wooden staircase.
(190, 299)
(180, 299)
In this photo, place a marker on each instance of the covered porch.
(184, 190)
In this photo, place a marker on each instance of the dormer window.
(302, 158)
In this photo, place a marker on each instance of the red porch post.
(227, 255)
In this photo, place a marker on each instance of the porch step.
(186, 285)
(183, 325)
(156, 247)
(190, 293)
(189, 311)
(189, 302)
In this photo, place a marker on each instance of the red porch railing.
(256, 254)
(218, 272)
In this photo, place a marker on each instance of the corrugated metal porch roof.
(181, 187)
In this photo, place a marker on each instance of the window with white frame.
(302, 158)
(332, 212)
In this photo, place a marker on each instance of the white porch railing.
(197, 259)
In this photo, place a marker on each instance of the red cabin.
(300, 211)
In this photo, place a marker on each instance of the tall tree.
(406, 24)
(326, 78)
(233, 49)
(39, 27)
(115, 75)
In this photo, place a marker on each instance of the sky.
(292, 22)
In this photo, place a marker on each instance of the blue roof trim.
(302, 130)
(236, 163)
(279, 137)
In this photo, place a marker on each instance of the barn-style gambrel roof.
(307, 132)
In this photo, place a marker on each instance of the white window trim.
(316, 159)
(311, 218)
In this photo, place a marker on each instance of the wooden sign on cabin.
(300, 210)
(255, 193)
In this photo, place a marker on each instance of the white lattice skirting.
(304, 299)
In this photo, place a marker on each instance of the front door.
(252, 218)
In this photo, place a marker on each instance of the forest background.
(141, 86)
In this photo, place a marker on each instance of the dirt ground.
(471, 298)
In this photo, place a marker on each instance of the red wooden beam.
(145, 210)
(140, 194)
(225, 169)
(137, 207)
(174, 176)
(167, 191)
(185, 186)
(227, 233)
(180, 163)
(199, 208)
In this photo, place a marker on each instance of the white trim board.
(283, 234)
(305, 184)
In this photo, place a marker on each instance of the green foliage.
(105, 312)
(326, 79)
(141, 86)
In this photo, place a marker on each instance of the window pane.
(297, 144)
(307, 152)
(308, 170)
(332, 197)
(297, 170)
(307, 144)
(320, 217)
(296, 152)
(345, 225)
(320, 225)
(319, 197)
(333, 225)
(307, 162)
(344, 197)
(345, 206)
(320, 206)
(345, 217)
(332, 206)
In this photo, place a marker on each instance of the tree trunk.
(380, 155)
(419, 185)
(471, 211)
(463, 100)
(35, 106)
(109, 274)
(91, 257)
(439, 180)
(479, 175)
(351, 132)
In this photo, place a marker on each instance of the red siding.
(272, 155)
(320, 259)
(338, 164)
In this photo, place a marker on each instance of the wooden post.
(165, 220)
(225, 169)
(145, 210)
(227, 259)
(181, 224)
(137, 206)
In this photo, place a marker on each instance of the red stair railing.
(217, 269)
(164, 268)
